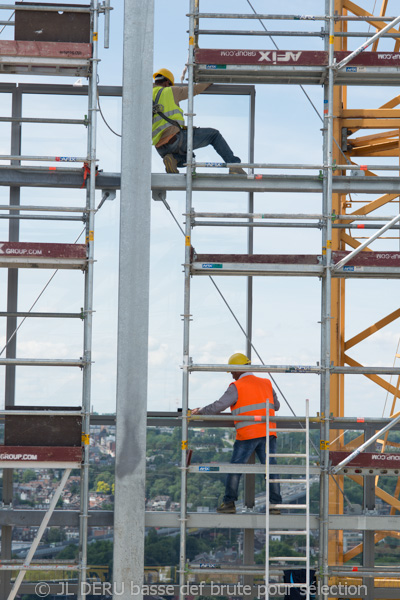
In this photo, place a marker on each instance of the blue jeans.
(242, 450)
(202, 137)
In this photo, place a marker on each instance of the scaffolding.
(334, 67)
(335, 177)
(50, 39)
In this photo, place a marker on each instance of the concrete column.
(133, 307)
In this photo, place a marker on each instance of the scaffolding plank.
(309, 58)
(371, 264)
(294, 67)
(61, 50)
(45, 58)
(38, 255)
(35, 454)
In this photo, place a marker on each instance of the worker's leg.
(177, 148)
(274, 487)
(242, 450)
(206, 136)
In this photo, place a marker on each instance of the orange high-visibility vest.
(253, 394)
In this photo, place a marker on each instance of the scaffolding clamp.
(86, 172)
(187, 361)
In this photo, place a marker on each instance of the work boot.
(236, 171)
(274, 511)
(227, 507)
(170, 163)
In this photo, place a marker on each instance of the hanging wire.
(369, 24)
(14, 333)
(242, 330)
(101, 112)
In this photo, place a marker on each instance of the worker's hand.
(195, 411)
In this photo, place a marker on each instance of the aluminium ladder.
(306, 506)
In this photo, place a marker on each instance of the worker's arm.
(181, 93)
(227, 399)
(277, 404)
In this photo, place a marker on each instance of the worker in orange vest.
(247, 395)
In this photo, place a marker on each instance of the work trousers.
(242, 450)
(202, 137)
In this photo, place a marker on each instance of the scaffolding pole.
(326, 299)
(186, 309)
(11, 326)
(88, 307)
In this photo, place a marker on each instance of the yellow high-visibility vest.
(170, 109)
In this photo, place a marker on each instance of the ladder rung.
(289, 505)
(294, 585)
(294, 558)
(288, 455)
(291, 430)
(289, 480)
(292, 532)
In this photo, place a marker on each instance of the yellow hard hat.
(238, 359)
(165, 73)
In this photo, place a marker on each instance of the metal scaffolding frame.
(85, 215)
(326, 183)
(330, 263)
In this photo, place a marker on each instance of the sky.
(286, 310)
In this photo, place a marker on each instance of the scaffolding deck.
(365, 264)
(45, 58)
(14, 255)
(40, 457)
(294, 67)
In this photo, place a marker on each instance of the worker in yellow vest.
(247, 395)
(169, 133)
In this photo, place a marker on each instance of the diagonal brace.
(39, 534)
(366, 44)
(363, 446)
(367, 242)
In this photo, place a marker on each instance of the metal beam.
(61, 518)
(133, 303)
(310, 184)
